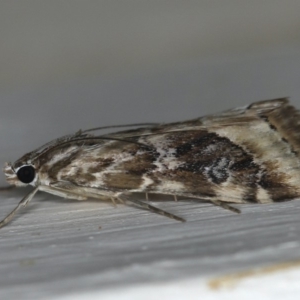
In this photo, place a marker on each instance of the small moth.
(243, 155)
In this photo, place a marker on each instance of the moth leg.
(225, 206)
(62, 193)
(152, 208)
(22, 203)
(147, 196)
(121, 200)
(7, 188)
(175, 198)
(113, 201)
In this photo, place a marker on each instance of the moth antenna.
(79, 133)
(160, 133)
(153, 209)
(22, 203)
(106, 138)
(163, 132)
(225, 206)
(76, 140)
(119, 126)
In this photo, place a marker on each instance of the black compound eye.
(26, 174)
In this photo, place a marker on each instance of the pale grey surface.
(223, 56)
(55, 247)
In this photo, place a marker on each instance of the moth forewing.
(244, 155)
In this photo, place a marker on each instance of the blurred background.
(67, 65)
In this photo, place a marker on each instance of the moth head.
(20, 174)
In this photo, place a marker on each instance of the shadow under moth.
(244, 155)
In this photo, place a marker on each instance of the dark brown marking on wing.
(44, 158)
(122, 181)
(59, 165)
(80, 178)
(196, 184)
(129, 174)
(272, 180)
(246, 174)
(266, 119)
(219, 158)
(100, 165)
(276, 184)
(277, 189)
(141, 163)
(286, 120)
(209, 160)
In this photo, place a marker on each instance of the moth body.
(245, 155)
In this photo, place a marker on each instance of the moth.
(244, 155)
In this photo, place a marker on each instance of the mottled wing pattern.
(242, 155)
(248, 154)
